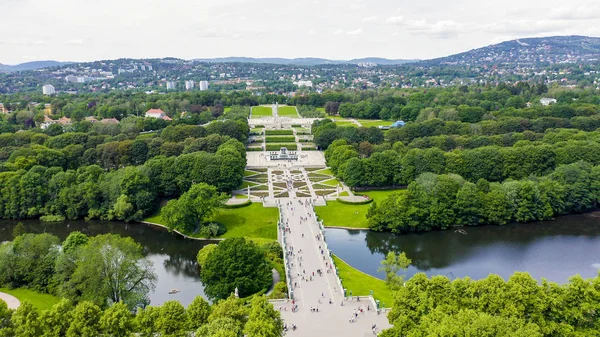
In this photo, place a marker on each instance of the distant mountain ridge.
(529, 51)
(303, 61)
(31, 65)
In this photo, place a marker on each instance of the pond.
(174, 257)
(553, 250)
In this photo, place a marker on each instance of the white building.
(203, 85)
(171, 85)
(48, 89)
(304, 83)
(189, 85)
(547, 101)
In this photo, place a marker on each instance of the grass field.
(253, 221)
(287, 111)
(361, 284)
(226, 109)
(39, 300)
(261, 111)
(367, 123)
(337, 214)
(320, 109)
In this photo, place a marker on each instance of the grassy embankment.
(253, 221)
(287, 111)
(361, 284)
(337, 214)
(261, 111)
(39, 300)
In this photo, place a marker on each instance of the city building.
(48, 89)
(171, 85)
(3, 109)
(304, 83)
(109, 121)
(91, 119)
(157, 113)
(189, 85)
(203, 85)
(47, 122)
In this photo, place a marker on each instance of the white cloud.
(582, 12)
(439, 29)
(75, 42)
(524, 27)
(355, 32)
(368, 19)
(338, 32)
(395, 20)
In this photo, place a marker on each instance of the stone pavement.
(307, 253)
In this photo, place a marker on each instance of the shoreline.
(178, 232)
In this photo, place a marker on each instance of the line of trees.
(232, 317)
(103, 269)
(521, 306)
(445, 201)
(127, 193)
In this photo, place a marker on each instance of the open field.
(253, 221)
(337, 214)
(261, 111)
(287, 111)
(361, 284)
(367, 123)
(39, 300)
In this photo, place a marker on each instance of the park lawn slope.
(261, 111)
(337, 214)
(252, 221)
(287, 111)
(39, 300)
(361, 284)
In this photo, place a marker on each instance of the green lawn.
(39, 300)
(287, 111)
(336, 214)
(261, 111)
(361, 284)
(373, 122)
(320, 109)
(226, 109)
(246, 184)
(332, 182)
(253, 221)
(325, 171)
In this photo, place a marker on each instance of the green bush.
(52, 218)
(308, 148)
(279, 132)
(251, 149)
(296, 125)
(280, 139)
(276, 147)
(259, 127)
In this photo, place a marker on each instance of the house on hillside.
(91, 119)
(545, 101)
(110, 121)
(157, 113)
(47, 122)
(3, 110)
(64, 121)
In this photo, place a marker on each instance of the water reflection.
(554, 250)
(174, 257)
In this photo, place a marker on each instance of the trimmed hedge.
(259, 127)
(308, 148)
(254, 149)
(247, 203)
(276, 147)
(296, 125)
(279, 132)
(363, 202)
(280, 139)
(305, 140)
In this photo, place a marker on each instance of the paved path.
(11, 301)
(307, 253)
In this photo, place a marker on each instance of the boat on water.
(174, 291)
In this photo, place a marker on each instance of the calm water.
(553, 250)
(174, 257)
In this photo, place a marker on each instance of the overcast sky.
(87, 30)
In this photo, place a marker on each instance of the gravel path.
(13, 302)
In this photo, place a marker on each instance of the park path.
(307, 253)
(11, 301)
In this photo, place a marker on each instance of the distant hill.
(305, 61)
(529, 51)
(31, 65)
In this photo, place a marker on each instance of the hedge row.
(279, 132)
(253, 149)
(280, 139)
(276, 147)
(244, 204)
